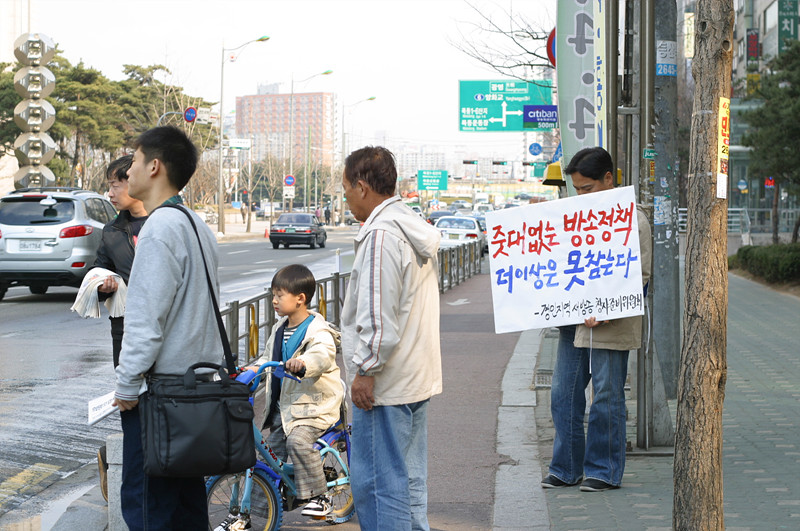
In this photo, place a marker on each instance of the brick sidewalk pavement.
(761, 430)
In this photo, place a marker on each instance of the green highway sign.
(499, 105)
(431, 180)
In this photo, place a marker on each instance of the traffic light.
(499, 162)
(34, 115)
(469, 161)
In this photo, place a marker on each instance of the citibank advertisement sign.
(540, 117)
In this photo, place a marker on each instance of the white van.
(482, 208)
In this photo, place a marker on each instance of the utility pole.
(654, 423)
(666, 260)
(249, 185)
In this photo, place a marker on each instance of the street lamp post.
(344, 155)
(221, 191)
(291, 129)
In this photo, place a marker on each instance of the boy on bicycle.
(298, 413)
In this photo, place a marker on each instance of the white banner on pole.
(560, 262)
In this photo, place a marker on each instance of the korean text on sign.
(560, 262)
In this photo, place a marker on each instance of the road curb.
(517, 441)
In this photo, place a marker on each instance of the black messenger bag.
(195, 426)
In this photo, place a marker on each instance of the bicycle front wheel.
(266, 510)
(341, 495)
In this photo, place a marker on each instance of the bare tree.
(698, 496)
(505, 42)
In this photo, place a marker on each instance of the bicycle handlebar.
(254, 378)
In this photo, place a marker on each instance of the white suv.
(49, 236)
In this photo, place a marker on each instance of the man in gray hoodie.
(390, 343)
(169, 323)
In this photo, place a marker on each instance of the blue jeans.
(389, 465)
(152, 503)
(600, 453)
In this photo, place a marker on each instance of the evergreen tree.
(774, 128)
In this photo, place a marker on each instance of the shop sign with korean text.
(561, 262)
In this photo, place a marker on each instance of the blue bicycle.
(256, 498)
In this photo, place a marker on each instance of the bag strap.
(226, 347)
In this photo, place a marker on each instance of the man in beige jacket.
(390, 342)
(596, 351)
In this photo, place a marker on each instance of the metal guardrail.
(249, 321)
(750, 220)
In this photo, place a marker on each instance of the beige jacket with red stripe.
(390, 319)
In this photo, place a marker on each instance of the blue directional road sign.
(535, 149)
(497, 105)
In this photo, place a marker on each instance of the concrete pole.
(654, 423)
(249, 185)
(666, 262)
(644, 367)
(221, 191)
(344, 156)
(291, 128)
(612, 67)
(291, 137)
(307, 168)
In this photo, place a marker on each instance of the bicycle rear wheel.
(266, 510)
(341, 495)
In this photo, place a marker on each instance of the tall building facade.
(762, 29)
(266, 118)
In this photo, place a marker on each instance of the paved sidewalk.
(761, 448)
(761, 432)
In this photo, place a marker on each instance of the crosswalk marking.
(25, 481)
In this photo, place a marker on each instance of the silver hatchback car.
(49, 236)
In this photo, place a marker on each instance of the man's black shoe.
(596, 485)
(552, 482)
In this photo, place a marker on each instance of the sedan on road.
(295, 228)
(460, 229)
(436, 214)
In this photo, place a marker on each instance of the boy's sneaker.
(552, 482)
(319, 506)
(233, 523)
(596, 485)
(102, 465)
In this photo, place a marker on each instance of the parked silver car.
(49, 236)
(457, 229)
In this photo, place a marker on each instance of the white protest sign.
(560, 262)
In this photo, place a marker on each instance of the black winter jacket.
(116, 249)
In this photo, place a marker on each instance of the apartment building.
(266, 118)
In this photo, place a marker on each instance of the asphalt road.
(52, 362)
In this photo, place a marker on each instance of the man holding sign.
(596, 350)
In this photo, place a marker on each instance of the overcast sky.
(398, 51)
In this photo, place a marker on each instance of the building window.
(771, 16)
